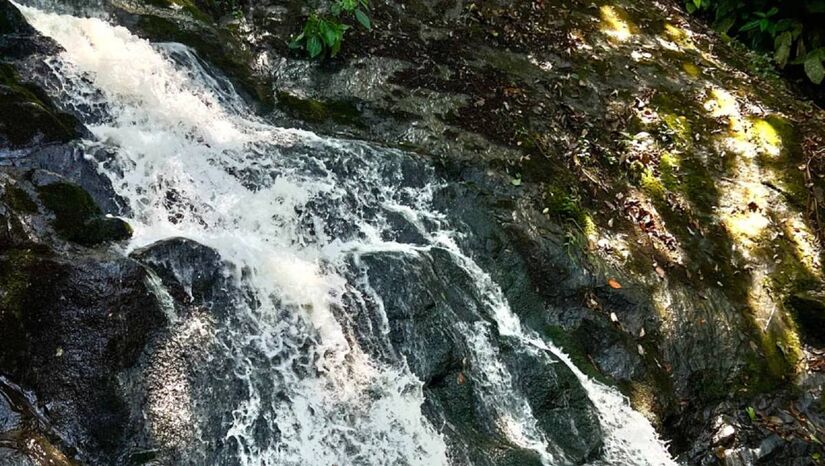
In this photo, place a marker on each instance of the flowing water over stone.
(305, 352)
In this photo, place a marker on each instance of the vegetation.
(78, 218)
(791, 31)
(323, 33)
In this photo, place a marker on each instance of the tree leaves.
(363, 18)
(814, 68)
(314, 46)
(326, 32)
(773, 27)
(782, 48)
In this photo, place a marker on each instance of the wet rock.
(220, 46)
(76, 216)
(27, 437)
(557, 403)
(27, 119)
(12, 21)
(192, 272)
(27, 115)
(467, 108)
(430, 323)
(83, 319)
(724, 434)
(75, 165)
(768, 446)
(71, 319)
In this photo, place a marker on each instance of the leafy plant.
(324, 33)
(792, 32)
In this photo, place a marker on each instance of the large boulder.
(71, 318)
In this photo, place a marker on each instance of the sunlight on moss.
(747, 225)
(722, 103)
(766, 137)
(651, 184)
(676, 34)
(675, 39)
(805, 245)
(662, 300)
(747, 136)
(781, 344)
(589, 228)
(746, 209)
(691, 70)
(679, 126)
(669, 165)
(615, 23)
(643, 400)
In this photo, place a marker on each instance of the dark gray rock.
(71, 319)
(190, 271)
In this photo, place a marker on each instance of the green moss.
(669, 166)
(27, 115)
(773, 365)
(77, 217)
(651, 185)
(679, 127)
(316, 111)
(564, 204)
(570, 343)
(784, 167)
(19, 200)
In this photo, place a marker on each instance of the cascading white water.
(629, 437)
(252, 191)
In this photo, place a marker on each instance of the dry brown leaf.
(614, 284)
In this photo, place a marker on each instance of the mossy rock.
(19, 200)
(27, 116)
(562, 202)
(77, 217)
(316, 111)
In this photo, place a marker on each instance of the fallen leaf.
(614, 284)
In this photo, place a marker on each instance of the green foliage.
(324, 33)
(791, 31)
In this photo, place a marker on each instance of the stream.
(306, 355)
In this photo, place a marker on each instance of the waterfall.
(294, 213)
